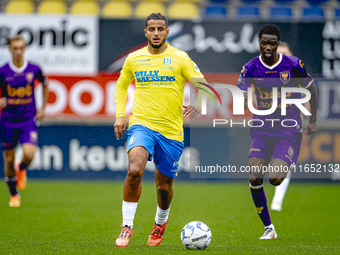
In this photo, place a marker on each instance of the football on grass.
(196, 236)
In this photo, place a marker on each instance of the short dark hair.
(156, 16)
(284, 44)
(270, 29)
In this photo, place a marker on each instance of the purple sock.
(12, 185)
(260, 201)
(23, 165)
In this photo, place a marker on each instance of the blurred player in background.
(19, 115)
(156, 124)
(272, 143)
(280, 191)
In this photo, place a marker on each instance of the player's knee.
(255, 182)
(28, 158)
(275, 181)
(135, 173)
(164, 187)
(9, 158)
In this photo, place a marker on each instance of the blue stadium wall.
(92, 152)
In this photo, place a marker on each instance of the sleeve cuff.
(120, 115)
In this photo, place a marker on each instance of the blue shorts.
(165, 152)
(276, 147)
(25, 134)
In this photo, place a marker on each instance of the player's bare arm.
(3, 102)
(190, 111)
(120, 125)
(41, 112)
(312, 127)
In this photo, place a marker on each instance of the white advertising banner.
(62, 45)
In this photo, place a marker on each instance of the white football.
(196, 236)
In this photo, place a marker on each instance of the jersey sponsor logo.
(152, 76)
(20, 92)
(143, 60)
(175, 164)
(290, 152)
(29, 77)
(19, 101)
(269, 95)
(167, 61)
(285, 76)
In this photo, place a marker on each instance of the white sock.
(129, 211)
(280, 191)
(270, 226)
(161, 216)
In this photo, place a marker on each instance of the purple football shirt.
(17, 84)
(288, 72)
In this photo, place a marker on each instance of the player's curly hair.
(270, 29)
(156, 16)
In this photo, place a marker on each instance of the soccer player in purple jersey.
(18, 116)
(274, 145)
(280, 191)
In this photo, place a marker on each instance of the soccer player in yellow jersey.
(156, 123)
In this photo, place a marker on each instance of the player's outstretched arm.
(41, 112)
(3, 102)
(312, 127)
(190, 111)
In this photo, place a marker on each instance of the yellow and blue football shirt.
(159, 81)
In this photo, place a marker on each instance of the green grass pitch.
(68, 217)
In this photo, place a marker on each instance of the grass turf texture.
(84, 218)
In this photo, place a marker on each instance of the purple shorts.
(10, 135)
(276, 147)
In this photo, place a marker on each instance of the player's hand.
(190, 111)
(120, 125)
(311, 128)
(40, 114)
(3, 102)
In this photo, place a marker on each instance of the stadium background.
(82, 55)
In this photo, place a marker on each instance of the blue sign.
(87, 152)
